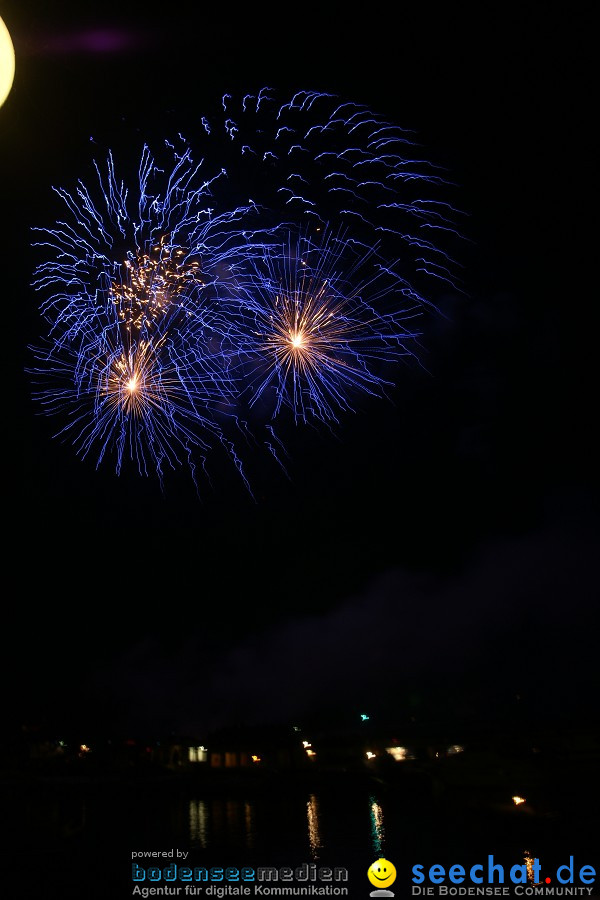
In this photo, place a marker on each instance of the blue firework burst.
(141, 245)
(318, 324)
(155, 397)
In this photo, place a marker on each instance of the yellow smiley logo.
(382, 873)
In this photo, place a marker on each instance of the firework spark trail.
(328, 162)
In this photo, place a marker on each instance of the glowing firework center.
(152, 282)
(129, 385)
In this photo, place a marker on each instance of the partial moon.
(7, 62)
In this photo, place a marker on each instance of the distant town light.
(371, 755)
(518, 800)
(398, 753)
(197, 754)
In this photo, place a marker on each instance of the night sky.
(436, 556)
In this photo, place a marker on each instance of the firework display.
(283, 273)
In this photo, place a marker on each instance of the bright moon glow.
(7, 62)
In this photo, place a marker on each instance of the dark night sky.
(438, 554)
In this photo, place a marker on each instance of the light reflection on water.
(529, 861)
(57, 831)
(377, 829)
(249, 823)
(219, 821)
(312, 818)
(199, 823)
(320, 825)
